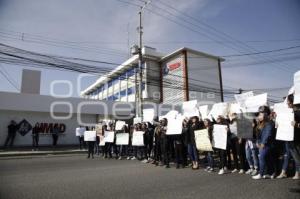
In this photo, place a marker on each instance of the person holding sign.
(295, 145)
(165, 145)
(157, 146)
(123, 149)
(209, 154)
(190, 138)
(264, 143)
(107, 146)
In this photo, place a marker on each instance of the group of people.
(262, 156)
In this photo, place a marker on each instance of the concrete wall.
(67, 138)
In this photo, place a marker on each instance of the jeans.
(286, 156)
(193, 153)
(251, 154)
(35, 141)
(210, 159)
(266, 164)
(295, 152)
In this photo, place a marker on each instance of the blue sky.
(101, 31)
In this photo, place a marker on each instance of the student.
(35, 136)
(223, 153)
(144, 149)
(236, 146)
(150, 140)
(165, 143)
(91, 145)
(264, 143)
(252, 152)
(178, 143)
(12, 131)
(192, 149)
(107, 146)
(55, 133)
(157, 146)
(295, 145)
(123, 148)
(209, 154)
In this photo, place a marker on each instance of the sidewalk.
(43, 150)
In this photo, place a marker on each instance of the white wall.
(68, 137)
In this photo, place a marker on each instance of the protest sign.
(203, 111)
(284, 118)
(102, 141)
(109, 136)
(122, 138)
(174, 126)
(138, 138)
(297, 87)
(148, 115)
(119, 125)
(244, 125)
(137, 120)
(253, 103)
(90, 136)
(80, 131)
(219, 109)
(241, 98)
(189, 108)
(220, 136)
(202, 140)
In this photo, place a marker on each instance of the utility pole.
(140, 92)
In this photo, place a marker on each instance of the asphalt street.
(74, 176)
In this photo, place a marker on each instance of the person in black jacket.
(157, 146)
(295, 145)
(165, 145)
(35, 136)
(190, 138)
(12, 131)
(209, 154)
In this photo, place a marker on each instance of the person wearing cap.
(264, 143)
(295, 145)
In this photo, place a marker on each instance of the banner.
(175, 125)
(109, 136)
(119, 125)
(137, 120)
(202, 140)
(80, 131)
(219, 109)
(90, 136)
(244, 125)
(235, 108)
(284, 118)
(148, 115)
(297, 87)
(220, 136)
(189, 108)
(138, 138)
(122, 138)
(241, 98)
(253, 103)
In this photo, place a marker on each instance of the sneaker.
(273, 176)
(207, 168)
(211, 170)
(267, 176)
(120, 158)
(249, 171)
(242, 171)
(128, 158)
(281, 176)
(234, 171)
(221, 172)
(144, 161)
(296, 177)
(254, 172)
(257, 177)
(133, 158)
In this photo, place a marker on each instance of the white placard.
(80, 131)
(235, 108)
(253, 103)
(220, 136)
(102, 141)
(202, 140)
(122, 138)
(175, 125)
(297, 87)
(233, 128)
(90, 136)
(119, 125)
(219, 109)
(109, 136)
(241, 98)
(284, 118)
(148, 115)
(138, 138)
(189, 108)
(137, 120)
(203, 111)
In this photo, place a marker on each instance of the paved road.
(75, 177)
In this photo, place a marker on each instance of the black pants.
(238, 152)
(91, 149)
(81, 142)
(107, 149)
(157, 151)
(55, 138)
(165, 147)
(223, 158)
(10, 139)
(35, 141)
(179, 153)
